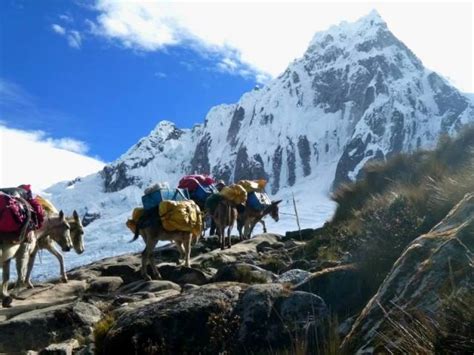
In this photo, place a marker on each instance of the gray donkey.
(46, 240)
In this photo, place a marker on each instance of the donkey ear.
(61, 214)
(75, 215)
(276, 202)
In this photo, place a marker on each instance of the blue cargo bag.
(203, 192)
(258, 200)
(153, 199)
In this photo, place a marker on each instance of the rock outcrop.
(229, 317)
(409, 312)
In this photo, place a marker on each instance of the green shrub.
(389, 224)
(100, 331)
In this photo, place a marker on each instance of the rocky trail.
(260, 296)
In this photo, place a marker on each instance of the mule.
(224, 217)
(249, 217)
(47, 241)
(151, 235)
(10, 244)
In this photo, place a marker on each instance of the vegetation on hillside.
(395, 202)
(377, 217)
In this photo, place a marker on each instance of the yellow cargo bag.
(47, 205)
(253, 185)
(136, 215)
(184, 216)
(234, 193)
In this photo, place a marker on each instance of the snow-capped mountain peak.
(357, 94)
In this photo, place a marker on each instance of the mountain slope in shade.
(357, 94)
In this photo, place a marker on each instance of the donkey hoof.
(29, 285)
(7, 302)
(64, 280)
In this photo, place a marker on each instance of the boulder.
(148, 286)
(87, 313)
(37, 329)
(271, 317)
(244, 273)
(126, 266)
(136, 302)
(245, 251)
(183, 275)
(216, 318)
(44, 296)
(187, 323)
(129, 272)
(300, 264)
(294, 276)
(65, 348)
(267, 246)
(342, 287)
(425, 304)
(105, 284)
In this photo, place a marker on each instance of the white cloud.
(34, 158)
(73, 37)
(66, 18)
(58, 29)
(69, 144)
(268, 35)
(161, 75)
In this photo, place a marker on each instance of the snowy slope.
(357, 94)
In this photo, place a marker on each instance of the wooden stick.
(297, 217)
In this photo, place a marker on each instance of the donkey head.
(77, 232)
(61, 231)
(273, 210)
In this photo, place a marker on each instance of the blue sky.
(97, 91)
(94, 76)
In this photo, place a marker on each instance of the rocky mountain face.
(357, 94)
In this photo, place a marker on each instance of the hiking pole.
(296, 215)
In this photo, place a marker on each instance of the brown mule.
(225, 215)
(250, 217)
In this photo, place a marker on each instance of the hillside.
(358, 94)
(391, 273)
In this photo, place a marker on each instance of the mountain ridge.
(357, 94)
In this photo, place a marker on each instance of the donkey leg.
(240, 225)
(247, 230)
(212, 229)
(222, 237)
(6, 299)
(182, 253)
(144, 272)
(229, 238)
(52, 249)
(187, 248)
(252, 226)
(21, 258)
(31, 262)
(264, 226)
(150, 246)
